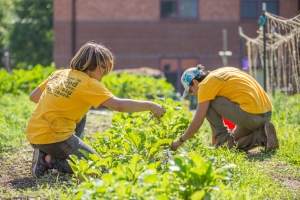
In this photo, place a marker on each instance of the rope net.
(282, 53)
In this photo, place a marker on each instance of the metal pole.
(225, 62)
(264, 42)
(273, 62)
(241, 48)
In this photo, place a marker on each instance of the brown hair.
(203, 73)
(92, 55)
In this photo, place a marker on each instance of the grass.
(257, 175)
(15, 110)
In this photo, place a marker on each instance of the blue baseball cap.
(187, 78)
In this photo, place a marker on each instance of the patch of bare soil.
(15, 173)
(98, 121)
(142, 71)
(287, 177)
(15, 177)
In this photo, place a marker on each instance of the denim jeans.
(248, 129)
(60, 151)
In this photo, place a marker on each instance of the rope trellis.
(282, 53)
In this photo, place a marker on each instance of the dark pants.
(60, 151)
(79, 130)
(247, 133)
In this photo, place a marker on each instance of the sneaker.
(229, 140)
(270, 133)
(39, 167)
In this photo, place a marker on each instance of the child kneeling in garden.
(63, 99)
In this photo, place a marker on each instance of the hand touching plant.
(176, 144)
(157, 110)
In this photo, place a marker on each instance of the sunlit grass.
(15, 111)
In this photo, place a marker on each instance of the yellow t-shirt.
(236, 85)
(66, 98)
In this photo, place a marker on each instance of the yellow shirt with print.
(67, 96)
(236, 85)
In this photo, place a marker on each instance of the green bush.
(137, 86)
(123, 85)
(23, 81)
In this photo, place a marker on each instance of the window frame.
(178, 11)
(259, 7)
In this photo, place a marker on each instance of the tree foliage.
(31, 35)
(6, 16)
(5, 19)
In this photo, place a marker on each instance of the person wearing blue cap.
(235, 95)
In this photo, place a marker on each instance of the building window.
(253, 8)
(175, 9)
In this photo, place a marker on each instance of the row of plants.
(134, 86)
(23, 81)
(136, 162)
(121, 85)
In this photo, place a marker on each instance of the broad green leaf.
(198, 195)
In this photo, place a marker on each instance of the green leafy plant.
(23, 81)
(137, 86)
(188, 176)
(140, 133)
(122, 85)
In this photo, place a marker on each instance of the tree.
(31, 36)
(6, 16)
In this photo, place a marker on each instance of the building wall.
(220, 10)
(62, 48)
(118, 10)
(135, 33)
(288, 8)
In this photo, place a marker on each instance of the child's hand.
(157, 110)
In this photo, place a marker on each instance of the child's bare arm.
(35, 95)
(129, 105)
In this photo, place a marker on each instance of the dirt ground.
(15, 163)
(15, 174)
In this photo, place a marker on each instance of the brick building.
(170, 35)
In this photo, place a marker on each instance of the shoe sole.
(272, 141)
(34, 162)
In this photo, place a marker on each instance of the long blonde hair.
(90, 56)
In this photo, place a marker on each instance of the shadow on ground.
(258, 155)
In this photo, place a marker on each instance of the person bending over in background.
(63, 99)
(233, 94)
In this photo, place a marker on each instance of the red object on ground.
(230, 125)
